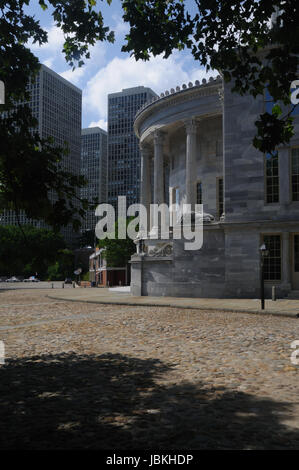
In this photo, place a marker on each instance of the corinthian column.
(191, 129)
(158, 168)
(158, 181)
(145, 186)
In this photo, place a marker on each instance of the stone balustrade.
(179, 89)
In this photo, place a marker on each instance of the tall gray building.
(123, 146)
(94, 169)
(57, 105)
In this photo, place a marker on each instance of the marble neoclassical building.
(196, 146)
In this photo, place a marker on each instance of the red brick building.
(103, 275)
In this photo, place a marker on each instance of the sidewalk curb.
(185, 307)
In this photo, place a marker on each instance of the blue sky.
(109, 70)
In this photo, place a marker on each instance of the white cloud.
(120, 28)
(100, 123)
(97, 55)
(52, 56)
(55, 41)
(158, 73)
(73, 76)
(49, 62)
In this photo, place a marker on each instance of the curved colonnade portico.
(168, 122)
(196, 147)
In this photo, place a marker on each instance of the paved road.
(81, 376)
(284, 307)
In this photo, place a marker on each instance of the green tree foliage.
(87, 238)
(233, 37)
(34, 254)
(63, 266)
(30, 167)
(118, 251)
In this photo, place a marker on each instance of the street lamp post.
(264, 252)
(94, 272)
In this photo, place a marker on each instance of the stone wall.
(185, 273)
(244, 165)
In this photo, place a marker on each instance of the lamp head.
(263, 250)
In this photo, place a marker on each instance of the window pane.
(268, 97)
(272, 262)
(296, 253)
(295, 174)
(272, 177)
(268, 106)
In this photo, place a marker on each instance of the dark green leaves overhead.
(156, 27)
(235, 38)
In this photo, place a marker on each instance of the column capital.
(159, 137)
(190, 125)
(145, 149)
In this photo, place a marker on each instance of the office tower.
(57, 105)
(123, 145)
(94, 169)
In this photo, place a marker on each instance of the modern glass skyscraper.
(123, 145)
(57, 105)
(94, 169)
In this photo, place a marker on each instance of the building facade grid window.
(94, 169)
(56, 103)
(123, 145)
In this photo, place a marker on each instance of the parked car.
(3, 278)
(68, 280)
(13, 279)
(31, 279)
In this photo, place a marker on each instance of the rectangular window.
(296, 253)
(272, 262)
(272, 177)
(198, 192)
(295, 173)
(220, 205)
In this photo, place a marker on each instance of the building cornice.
(173, 98)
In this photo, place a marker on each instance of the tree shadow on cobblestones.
(69, 401)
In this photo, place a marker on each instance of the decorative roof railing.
(177, 90)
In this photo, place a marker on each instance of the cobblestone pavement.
(81, 375)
